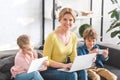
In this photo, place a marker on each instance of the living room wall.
(19, 17)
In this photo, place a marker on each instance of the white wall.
(19, 17)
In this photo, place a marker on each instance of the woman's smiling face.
(67, 21)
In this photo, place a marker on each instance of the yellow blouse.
(57, 51)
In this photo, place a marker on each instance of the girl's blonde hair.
(66, 11)
(23, 40)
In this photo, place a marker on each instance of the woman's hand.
(44, 66)
(67, 66)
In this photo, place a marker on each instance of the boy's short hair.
(90, 33)
(23, 40)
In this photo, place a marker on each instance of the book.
(36, 64)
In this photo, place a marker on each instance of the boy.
(90, 47)
(23, 60)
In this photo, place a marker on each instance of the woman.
(60, 44)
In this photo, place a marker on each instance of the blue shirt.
(82, 50)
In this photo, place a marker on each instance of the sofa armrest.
(7, 53)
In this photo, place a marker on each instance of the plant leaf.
(114, 25)
(112, 14)
(114, 33)
(111, 26)
(112, 11)
(112, 1)
(117, 24)
(118, 43)
(119, 36)
(82, 28)
(117, 16)
(116, 1)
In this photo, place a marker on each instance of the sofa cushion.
(7, 53)
(5, 76)
(80, 43)
(6, 63)
(114, 54)
(114, 70)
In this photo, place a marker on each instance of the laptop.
(81, 62)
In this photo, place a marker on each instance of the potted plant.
(82, 29)
(115, 25)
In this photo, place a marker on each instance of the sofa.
(114, 57)
(7, 60)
